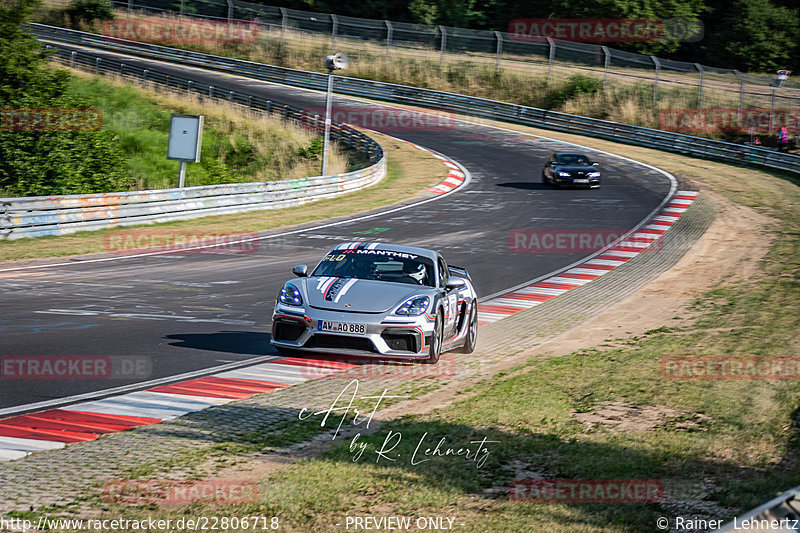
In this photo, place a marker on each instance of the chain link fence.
(457, 51)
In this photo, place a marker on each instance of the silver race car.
(379, 300)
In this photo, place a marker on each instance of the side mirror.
(595, 164)
(301, 271)
(454, 282)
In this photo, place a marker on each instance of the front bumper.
(298, 328)
(578, 181)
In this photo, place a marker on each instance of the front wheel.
(436, 341)
(472, 332)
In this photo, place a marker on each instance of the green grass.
(234, 149)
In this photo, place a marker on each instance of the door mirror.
(595, 164)
(301, 271)
(454, 282)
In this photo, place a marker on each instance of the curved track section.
(164, 315)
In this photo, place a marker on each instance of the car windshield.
(380, 265)
(572, 159)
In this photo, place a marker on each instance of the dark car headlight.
(290, 295)
(593, 174)
(564, 174)
(414, 306)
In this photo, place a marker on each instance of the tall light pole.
(332, 62)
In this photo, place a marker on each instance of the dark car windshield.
(572, 159)
(381, 265)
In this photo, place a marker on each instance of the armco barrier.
(481, 107)
(59, 215)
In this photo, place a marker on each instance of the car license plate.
(342, 327)
(580, 180)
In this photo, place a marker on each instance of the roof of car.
(415, 250)
(571, 153)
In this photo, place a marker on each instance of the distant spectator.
(757, 141)
(783, 139)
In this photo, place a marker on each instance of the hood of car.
(576, 168)
(358, 295)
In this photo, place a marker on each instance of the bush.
(576, 85)
(89, 11)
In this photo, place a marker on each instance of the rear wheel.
(472, 331)
(436, 341)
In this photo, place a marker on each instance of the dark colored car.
(571, 168)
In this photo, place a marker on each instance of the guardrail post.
(552, 58)
(97, 66)
(269, 107)
(657, 63)
(741, 91)
(335, 21)
(700, 89)
(189, 86)
(499, 52)
(72, 59)
(144, 77)
(444, 46)
(230, 96)
(122, 69)
(250, 102)
(230, 11)
(211, 91)
(607, 53)
(284, 21)
(389, 31)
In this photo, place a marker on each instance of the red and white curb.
(455, 177)
(537, 293)
(55, 428)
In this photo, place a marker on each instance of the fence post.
(772, 111)
(741, 91)
(284, 20)
(700, 89)
(499, 37)
(444, 46)
(607, 54)
(389, 31)
(657, 63)
(552, 58)
(335, 21)
(230, 11)
(183, 5)
(130, 6)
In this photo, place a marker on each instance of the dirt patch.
(621, 416)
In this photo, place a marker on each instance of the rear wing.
(459, 271)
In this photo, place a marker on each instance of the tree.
(47, 162)
(757, 35)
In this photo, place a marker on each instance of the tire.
(472, 332)
(437, 340)
(545, 181)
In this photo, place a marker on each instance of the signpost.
(185, 139)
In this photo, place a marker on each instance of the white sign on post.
(185, 139)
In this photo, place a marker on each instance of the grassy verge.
(409, 171)
(237, 147)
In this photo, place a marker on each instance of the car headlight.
(289, 295)
(414, 306)
(593, 174)
(564, 174)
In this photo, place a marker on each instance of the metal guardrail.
(456, 103)
(59, 215)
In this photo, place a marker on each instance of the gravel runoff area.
(79, 471)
